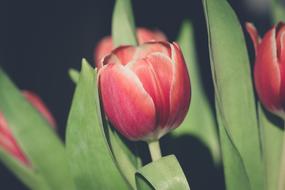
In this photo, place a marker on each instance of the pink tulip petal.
(155, 73)
(267, 72)
(280, 40)
(126, 103)
(282, 88)
(180, 91)
(103, 48)
(124, 53)
(253, 35)
(281, 57)
(145, 35)
(10, 145)
(40, 106)
(8, 142)
(153, 47)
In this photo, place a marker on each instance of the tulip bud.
(145, 90)
(7, 140)
(269, 68)
(105, 46)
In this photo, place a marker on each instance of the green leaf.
(125, 153)
(163, 174)
(272, 139)
(236, 177)
(123, 26)
(74, 75)
(126, 157)
(34, 135)
(203, 126)
(278, 11)
(91, 160)
(233, 87)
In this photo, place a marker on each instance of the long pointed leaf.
(233, 86)
(236, 177)
(91, 160)
(126, 159)
(123, 26)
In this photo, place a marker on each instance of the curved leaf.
(233, 87)
(163, 174)
(126, 158)
(34, 135)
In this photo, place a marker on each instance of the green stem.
(281, 183)
(154, 149)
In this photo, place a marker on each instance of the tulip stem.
(281, 185)
(154, 149)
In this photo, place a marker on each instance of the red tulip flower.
(269, 68)
(105, 46)
(8, 141)
(145, 89)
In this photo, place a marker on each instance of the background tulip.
(8, 141)
(269, 68)
(105, 46)
(145, 90)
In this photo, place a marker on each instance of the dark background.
(41, 40)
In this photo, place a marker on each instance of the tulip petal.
(267, 72)
(103, 48)
(180, 92)
(155, 73)
(281, 57)
(280, 40)
(153, 47)
(253, 35)
(282, 90)
(8, 143)
(126, 103)
(145, 35)
(125, 53)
